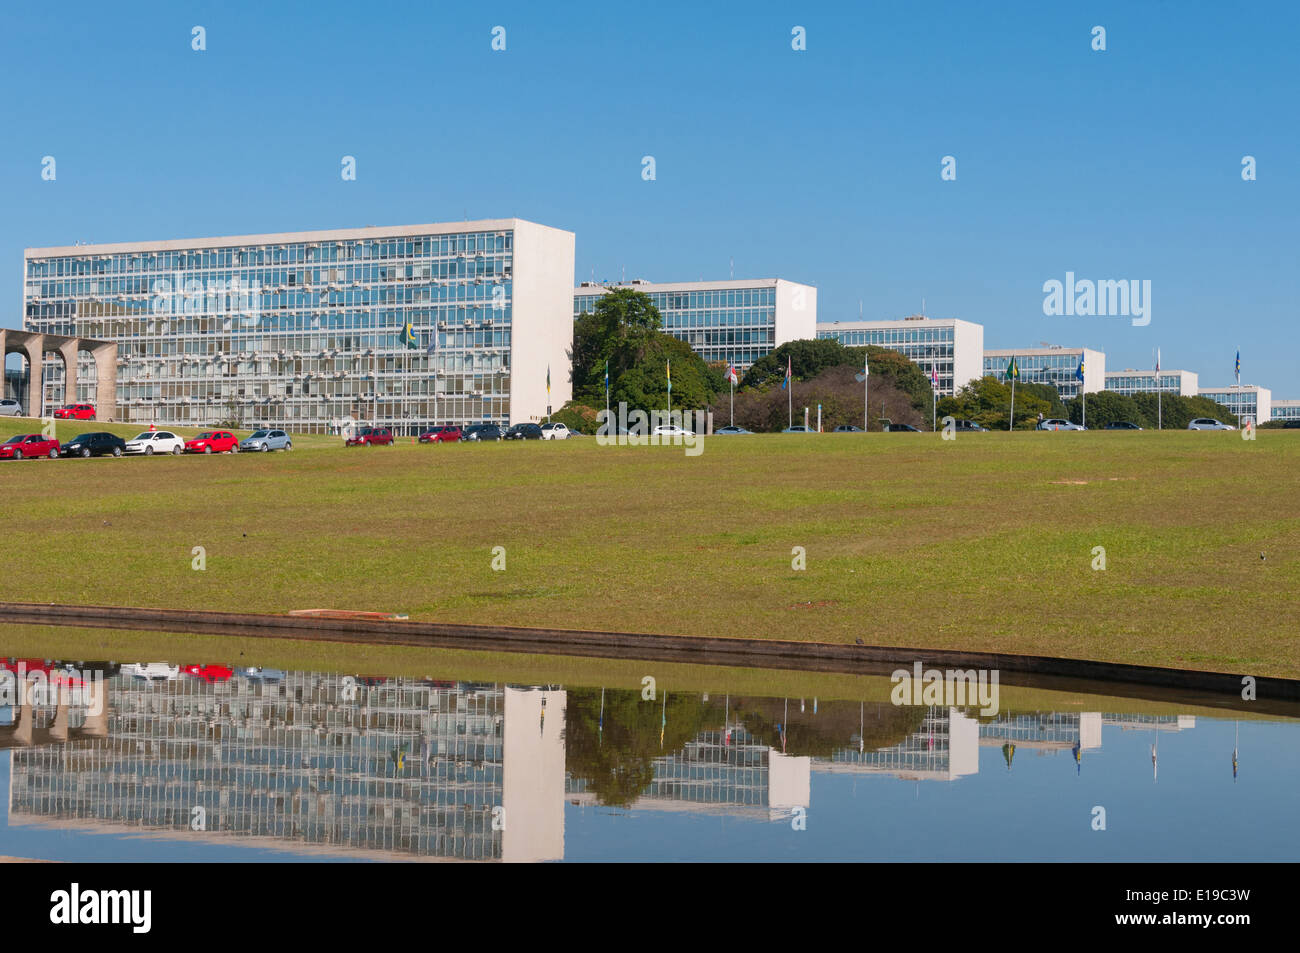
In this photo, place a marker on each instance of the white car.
(556, 432)
(1209, 423)
(156, 441)
(672, 430)
(10, 408)
(151, 670)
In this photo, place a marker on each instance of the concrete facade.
(35, 346)
(950, 349)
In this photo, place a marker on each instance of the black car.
(1121, 425)
(481, 432)
(94, 445)
(524, 432)
(969, 426)
(902, 428)
(1291, 425)
(847, 428)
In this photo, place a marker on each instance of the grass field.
(985, 542)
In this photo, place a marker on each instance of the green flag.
(1013, 370)
(408, 336)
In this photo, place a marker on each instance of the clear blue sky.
(819, 166)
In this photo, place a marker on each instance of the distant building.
(1286, 410)
(951, 349)
(734, 321)
(1244, 400)
(1051, 365)
(1132, 382)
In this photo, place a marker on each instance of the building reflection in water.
(407, 769)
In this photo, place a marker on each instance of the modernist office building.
(1286, 410)
(1130, 382)
(304, 329)
(1244, 400)
(1051, 365)
(953, 350)
(734, 322)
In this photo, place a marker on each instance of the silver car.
(1209, 423)
(264, 440)
(1055, 423)
(10, 408)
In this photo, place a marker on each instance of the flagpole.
(1011, 425)
(732, 378)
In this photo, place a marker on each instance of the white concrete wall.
(532, 776)
(789, 781)
(963, 744)
(541, 321)
(967, 353)
(796, 312)
(1094, 371)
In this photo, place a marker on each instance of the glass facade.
(1143, 382)
(1286, 410)
(932, 348)
(1056, 368)
(299, 334)
(732, 325)
(1243, 402)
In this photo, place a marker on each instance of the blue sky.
(819, 166)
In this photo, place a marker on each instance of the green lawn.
(984, 542)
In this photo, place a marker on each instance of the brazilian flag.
(1013, 370)
(408, 336)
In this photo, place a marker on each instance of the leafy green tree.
(1106, 407)
(624, 329)
(810, 358)
(987, 401)
(1178, 411)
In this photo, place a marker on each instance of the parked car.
(28, 445)
(1121, 425)
(900, 428)
(370, 437)
(155, 441)
(446, 434)
(151, 670)
(1291, 425)
(970, 426)
(556, 431)
(213, 441)
(482, 432)
(263, 441)
(209, 673)
(798, 428)
(76, 412)
(10, 408)
(1055, 423)
(1208, 423)
(671, 430)
(847, 428)
(94, 445)
(523, 432)
(263, 674)
(728, 431)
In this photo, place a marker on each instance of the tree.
(624, 329)
(810, 358)
(1106, 407)
(987, 401)
(1178, 411)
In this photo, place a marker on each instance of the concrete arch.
(34, 346)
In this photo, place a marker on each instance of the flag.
(934, 376)
(788, 373)
(866, 371)
(669, 372)
(1157, 368)
(408, 336)
(1238, 367)
(731, 374)
(548, 380)
(606, 377)
(1013, 371)
(1078, 371)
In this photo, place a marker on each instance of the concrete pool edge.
(708, 650)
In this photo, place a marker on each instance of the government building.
(308, 330)
(1053, 365)
(950, 350)
(732, 322)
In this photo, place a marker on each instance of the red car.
(441, 435)
(213, 441)
(76, 412)
(370, 437)
(209, 673)
(28, 445)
